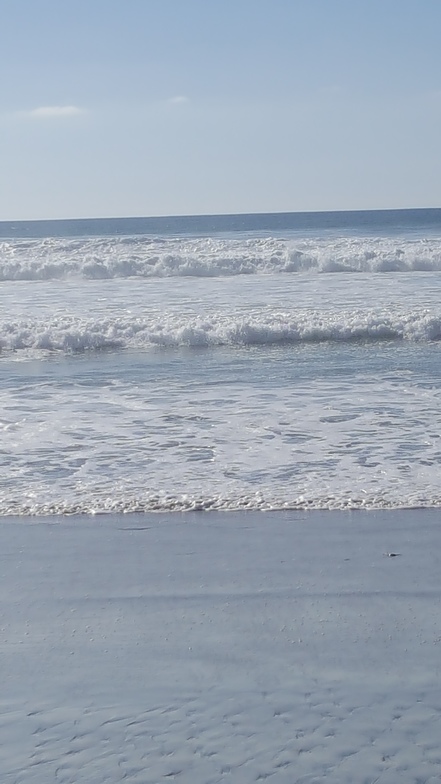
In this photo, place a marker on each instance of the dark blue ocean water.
(362, 221)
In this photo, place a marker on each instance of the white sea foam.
(193, 503)
(312, 391)
(75, 334)
(289, 431)
(145, 257)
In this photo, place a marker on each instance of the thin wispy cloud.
(178, 99)
(43, 112)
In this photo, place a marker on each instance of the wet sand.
(245, 647)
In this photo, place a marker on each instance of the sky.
(177, 107)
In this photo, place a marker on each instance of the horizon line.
(218, 215)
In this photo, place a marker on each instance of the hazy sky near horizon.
(159, 107)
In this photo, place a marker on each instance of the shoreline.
(224, 513)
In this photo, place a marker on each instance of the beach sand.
(221, 647)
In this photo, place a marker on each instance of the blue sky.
(159, 107)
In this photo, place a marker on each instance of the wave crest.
(145, 257)
(71, 334)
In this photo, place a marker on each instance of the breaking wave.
(71, 334)
(146, 257)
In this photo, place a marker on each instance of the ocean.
(260, 362)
